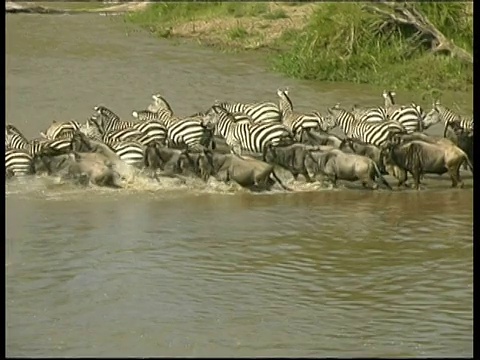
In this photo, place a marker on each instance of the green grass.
(275, 14)
(162, 14)
(342, 42)
(237, 32)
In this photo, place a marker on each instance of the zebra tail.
(380, 176)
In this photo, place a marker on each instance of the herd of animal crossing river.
(188, 269)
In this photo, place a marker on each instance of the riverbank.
(346, 42)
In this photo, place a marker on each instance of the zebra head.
(159, 102)
(389, 97)
(282, 91)
(324, 123)
(212, 116)
(11, 129)
(80, 141)
(432, 118)
(436, 105)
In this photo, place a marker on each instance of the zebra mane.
(160, 100)
(13, 130)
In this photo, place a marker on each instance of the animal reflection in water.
(246, 143)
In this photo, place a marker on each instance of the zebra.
(18, 162)
(189, 132)
(431, 118)
(261, 113)
(59, 130)
(249, 137)
(411, 117)
(377, 134)
(143, 131)
(297, 122)
(14, 139)
(451, 118)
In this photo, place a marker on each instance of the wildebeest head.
(347, 143)
(80, 142)
(151, 156)
(204, 165)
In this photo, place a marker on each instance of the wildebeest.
(290, 157)
(171, 162)
(362, 148)
(419, 157)
(85, 167)
(337, 165)
(465, 137)
(244, 170)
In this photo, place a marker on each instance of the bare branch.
(408, 14)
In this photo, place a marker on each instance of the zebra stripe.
(61, 129)
(186, 132)
(107, 113)
(298, 122)
(411, 116)
(162, 116)
(107, 121)
(151, 131)
(131, 152)
(375, 114)
(121, 135)
(16, 140)
(449, 117)
(246, 136)
(262, 112)
(18, 163)
(231, 130)
(373, 133)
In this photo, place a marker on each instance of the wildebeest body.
(419, 157)
(246, 171)
(93, 167)
(337, 165)
(291, 157)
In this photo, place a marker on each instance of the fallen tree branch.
(408, 14)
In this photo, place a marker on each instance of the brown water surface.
(211, 270)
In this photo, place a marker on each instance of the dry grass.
(262, 31)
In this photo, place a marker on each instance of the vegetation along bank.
(414, 46)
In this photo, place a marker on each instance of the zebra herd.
(244, 127)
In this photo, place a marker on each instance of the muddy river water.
(210, 270)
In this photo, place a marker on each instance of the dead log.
(408, 14)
